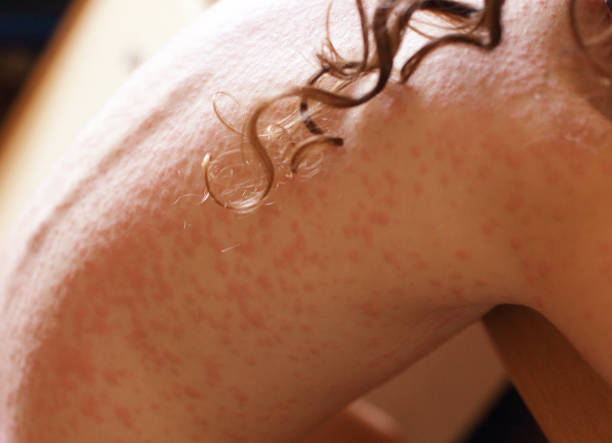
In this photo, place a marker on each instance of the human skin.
(132, 313)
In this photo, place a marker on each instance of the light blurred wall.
(98, 45)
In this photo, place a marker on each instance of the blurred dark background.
(508, 421)
(25, 28)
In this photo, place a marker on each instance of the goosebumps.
(467, 25)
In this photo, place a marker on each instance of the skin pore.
(134, 313)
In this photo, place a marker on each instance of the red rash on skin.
(391, 259)
(306, 328)
(114, 377)
(462, 255)
(298, 307)
(222, 266)
(456, 276)
(543, 269)
(457, 293)
(489, 226)
(444, 180)
(293, 253)
(514, 203)
(417, 188)
(213, 371)
(72, 362)
(480, 284)
(514, 160)
(366, 155)
(526, 220)
(243, 296)
(423, 170)
(309, 287)
(171, 359)
(516, 244)
(90, 407)
(378, 218)
(191, 392)
(286, 287)
(239, 396)
(391, 179)
(242, 269)
(354, 256)
(124, 416)
(370, 309)
(553, 178)
(483, 172)
(247, 249)
(261, 278)
(91, 320)
(416, 152)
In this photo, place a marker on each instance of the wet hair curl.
(477, 27)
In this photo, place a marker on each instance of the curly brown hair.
(382, 35)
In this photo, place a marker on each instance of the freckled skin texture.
(130, 312)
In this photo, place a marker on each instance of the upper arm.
(152, 313)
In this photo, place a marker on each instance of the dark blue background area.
(29, 22)
(31, 29)
(25, 29)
